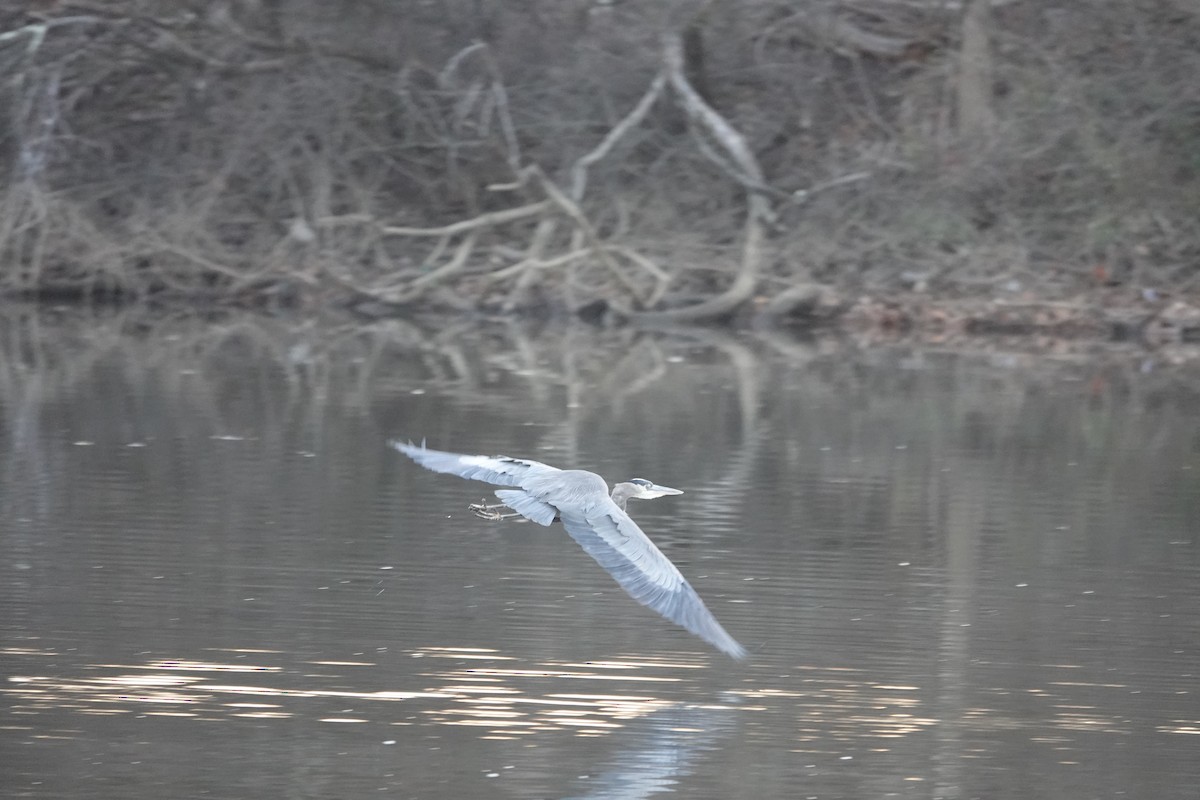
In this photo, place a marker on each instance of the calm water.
(961, 576)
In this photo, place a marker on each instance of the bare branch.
(37, 31)
(419, 286)
(704, 114)
(802, 195)
(758, 212)
(487, 220)
(632, 119)
(446, 76)
(577, 216)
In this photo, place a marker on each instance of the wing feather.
(500, 470)
(615, 541)
(528, 506)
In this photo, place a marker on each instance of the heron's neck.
(620, 494)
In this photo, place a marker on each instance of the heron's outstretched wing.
(528, 506)
(616, 542)
(500, 470)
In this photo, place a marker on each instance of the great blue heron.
(598, 522)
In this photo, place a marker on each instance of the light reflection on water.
(483, 694)
(958, 576)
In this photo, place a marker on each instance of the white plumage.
(598, 522)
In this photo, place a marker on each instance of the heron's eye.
(641, 482)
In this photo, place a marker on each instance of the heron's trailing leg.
(484, 510)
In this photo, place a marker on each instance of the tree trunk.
(975, 114)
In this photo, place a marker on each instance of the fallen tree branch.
(486, 220)
(561, 207)
(758, 211)
(576, 215)
(802, 195)
(419, 286)
(660, 277)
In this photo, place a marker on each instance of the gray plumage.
(598, 522)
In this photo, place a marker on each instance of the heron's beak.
(659, 491)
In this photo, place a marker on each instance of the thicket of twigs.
(694, 159)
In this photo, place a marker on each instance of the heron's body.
(598, 522)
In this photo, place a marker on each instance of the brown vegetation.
(690, 160)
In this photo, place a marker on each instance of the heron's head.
(640, 489)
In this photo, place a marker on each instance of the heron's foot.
(491, 511)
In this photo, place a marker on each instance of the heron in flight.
(595, 519)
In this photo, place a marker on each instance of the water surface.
(960, 575)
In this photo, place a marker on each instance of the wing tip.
(735, 650)
(720, 639)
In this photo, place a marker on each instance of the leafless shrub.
(198, 150)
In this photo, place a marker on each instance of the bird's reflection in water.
(659, 750)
